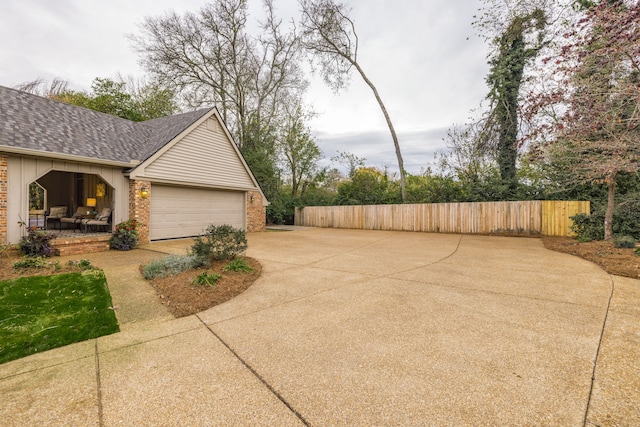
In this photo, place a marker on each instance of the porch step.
(80, 245)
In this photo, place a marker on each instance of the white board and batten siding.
(204, 157)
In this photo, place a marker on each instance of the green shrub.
(125, 237)
(83, 264)
(624, 242)
(238, 265)
(171, 265)
(36, 243)
(637, 252)
(587, 227)
(220, 242)
(206, 278)
(31, 262)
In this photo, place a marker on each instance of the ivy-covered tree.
(514, 49)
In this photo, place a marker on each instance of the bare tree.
(210, 59)
(299, 152)
(330, 35)
(43, 88)
(350, 161)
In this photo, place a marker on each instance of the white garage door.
(185, 212)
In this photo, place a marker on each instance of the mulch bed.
(182, 298)
(618, 261)
(8, 256)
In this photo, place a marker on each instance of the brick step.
(80, 245)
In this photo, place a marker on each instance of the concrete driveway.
(353, 327)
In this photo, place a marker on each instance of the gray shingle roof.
(35, 123)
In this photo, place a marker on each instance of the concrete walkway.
(356, 328)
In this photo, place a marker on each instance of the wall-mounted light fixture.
(251, 198)
(144, 193)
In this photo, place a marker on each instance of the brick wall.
(140, 208)
(256, 212)
(4, 190)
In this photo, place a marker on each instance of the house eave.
(192, 184)
(66, 157)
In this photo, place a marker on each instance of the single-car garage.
(187, 211)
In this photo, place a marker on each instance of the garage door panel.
(184, 212)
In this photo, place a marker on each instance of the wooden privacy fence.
(524, 218)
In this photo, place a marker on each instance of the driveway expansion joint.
(99, 386)
(595, 360)
(257, 375)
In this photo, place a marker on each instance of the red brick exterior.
(4, 191)
(140, 209)
(256, 212)
(80, 245)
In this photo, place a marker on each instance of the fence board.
(527, 218)
(556, 215)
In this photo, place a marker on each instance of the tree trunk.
(391, 129)
(608, 216)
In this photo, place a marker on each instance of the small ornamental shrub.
(624, 242)
(238, 265)
(36, 243)
(125, 237)
(83, 264)
(220, 242)
(206, 278)
(30, 262)
(171, 265)
(637, 252)
(587, 227)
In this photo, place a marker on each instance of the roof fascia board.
(240, 156)
(191, 184)
(67, 157)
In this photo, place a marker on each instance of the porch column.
(140, 208)
(4, 198)
(256, 212)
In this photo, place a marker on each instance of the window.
(37, 197)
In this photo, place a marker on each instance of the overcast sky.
(423, 56)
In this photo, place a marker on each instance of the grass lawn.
(39, 313)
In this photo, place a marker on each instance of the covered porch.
(66, 204)
(62, 200)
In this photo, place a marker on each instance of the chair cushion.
(103, 215)
(82, 210)
(57, 211)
